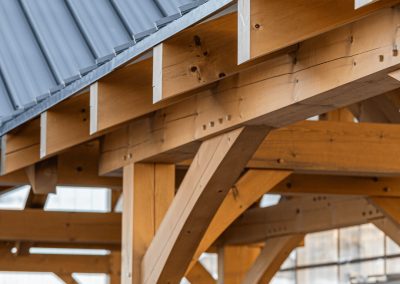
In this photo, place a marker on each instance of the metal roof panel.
(22, 63)
(59, 35)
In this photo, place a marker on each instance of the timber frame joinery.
(194, 135)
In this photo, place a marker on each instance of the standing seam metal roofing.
(51, 49)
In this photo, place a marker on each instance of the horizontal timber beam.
(60, 227)
(59, 264)
(76, 167)
(267, 26)
(319, 147)
(330, 71)
(299, 184)
(300, 216)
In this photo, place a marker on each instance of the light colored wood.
(115, 267)
(35, 201)
(273, 25)
(65, 125)
(380, 109)
(340, 114)
(250, 187)
(331, 147)
(148, 191)
(348, 149)
(234, 262)
(67, 278)
(330, 72)
(59, 264)
(43, 176)
(198, 274)
(20, 148)
(272, 256)
(200, 55)
(390, 207)
(298, 184)
(300, 216)
(214, 170)
(44, 226)
(124, 95)
(389, 228)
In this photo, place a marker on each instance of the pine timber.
(300, 216)
(234, 262)
(267, 26)
(20, 148)
(390, 228)
(198, 274)
(214, 170)
(148, 191)
(271, 257)
(59, 264)
(43, 176)
(347, 149)
(330, 71)
(65, 125)
(34, 225)
(299, 184)
(76, 167)
(249, 188)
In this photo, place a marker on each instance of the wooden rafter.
(270, 91)
(315, 17)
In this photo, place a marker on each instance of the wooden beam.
(265, 27)
(379, 109)
(348, 149)
(198, 274)
(115, 268)
(122, 96)
(250, 188)
(390, 207)
(277, 92)
(59, 264)
(389, 228)
(62, 227)
(20, 148)
(234, 261)
(148, 191)
(43, 176)
(195, 58)
(272, 256)
(65, 125)
(298, 184)
(300, 216)
(67, 278)
(214, 170)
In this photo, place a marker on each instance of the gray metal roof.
(51, 49)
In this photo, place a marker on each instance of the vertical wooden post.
(234, 262)
(148, 189)
(115, 267)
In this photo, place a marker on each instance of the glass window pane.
(372, 241)
(79, 199)
(393, 265)
(391, 247)
(321, 275)
(287, 277)
(290, 262)
(28, 277)
(361, 271)
(319, 248)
